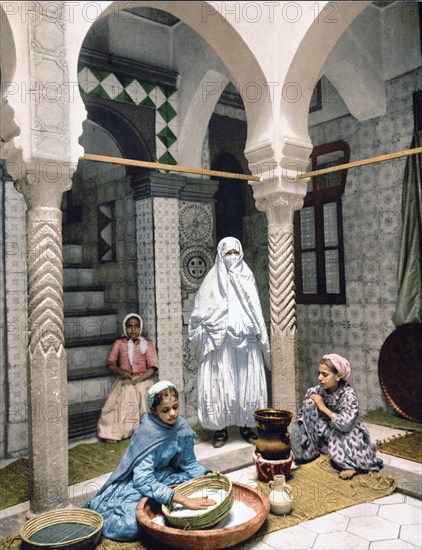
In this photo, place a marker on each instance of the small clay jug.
(281, 500)
(273, 441)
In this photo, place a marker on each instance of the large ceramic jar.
(273, 441)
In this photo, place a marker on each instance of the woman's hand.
(318, 400)
(197, 503)
(320, 403)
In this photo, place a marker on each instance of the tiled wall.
(14, 293)
(372, 229)
(119, 87)
(195, 246)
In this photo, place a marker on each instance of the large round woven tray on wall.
(206, 539)
(400, 371)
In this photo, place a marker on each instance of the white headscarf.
(156, 388)
(143, 344)
(227, 305)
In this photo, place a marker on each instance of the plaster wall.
(149, 42)
(362, 74)
(400, 38)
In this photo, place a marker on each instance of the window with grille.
(319, 252)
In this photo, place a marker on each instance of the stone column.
(46, 365)
(279, 195)
(42, 114)
(285, 383)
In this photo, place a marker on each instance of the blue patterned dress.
(153, 461)
(344, 437)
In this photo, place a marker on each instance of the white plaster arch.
(305, 69)
(224, 38)
(20, 16)
(7, 44)
(362, 90)
(8, 127)
(195, 124)
(96, 140)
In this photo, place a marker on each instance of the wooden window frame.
(317, 198)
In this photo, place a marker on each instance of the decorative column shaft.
(47, 371)
(279, 195)
(283, 318)
(285, 381)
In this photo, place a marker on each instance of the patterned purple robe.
(344, 437)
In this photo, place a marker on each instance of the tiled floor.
(393, 522)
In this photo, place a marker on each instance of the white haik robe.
(228, 333)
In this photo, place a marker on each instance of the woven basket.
(208, 517)
(60, 534)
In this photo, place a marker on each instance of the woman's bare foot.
(347, 474)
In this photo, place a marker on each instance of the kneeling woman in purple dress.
(329, 422)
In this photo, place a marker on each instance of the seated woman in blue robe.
(160, 453)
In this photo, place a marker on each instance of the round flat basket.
(217, 487)
(63, 529)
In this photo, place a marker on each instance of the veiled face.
(230, 258)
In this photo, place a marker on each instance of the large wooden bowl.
(206, 539)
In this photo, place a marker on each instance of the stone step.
(87, 341)
(82, 324)
(87, 373)
(80, 275)
(87, 356)
(83, 298)
(87, 390)
(72, 253)
(83, 418)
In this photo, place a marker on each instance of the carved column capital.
(41, 181)
(279, 209)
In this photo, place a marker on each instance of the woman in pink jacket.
(134, 359)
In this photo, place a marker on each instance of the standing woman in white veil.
(228, 333)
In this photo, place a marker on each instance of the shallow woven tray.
(208, 517)
(205, 539)
(59, 518)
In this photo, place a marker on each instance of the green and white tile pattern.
(119, 87)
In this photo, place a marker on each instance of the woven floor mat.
(317, 490)
(86, 461)
(407, 446)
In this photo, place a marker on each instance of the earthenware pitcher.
(273, 441)
(281, 500)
